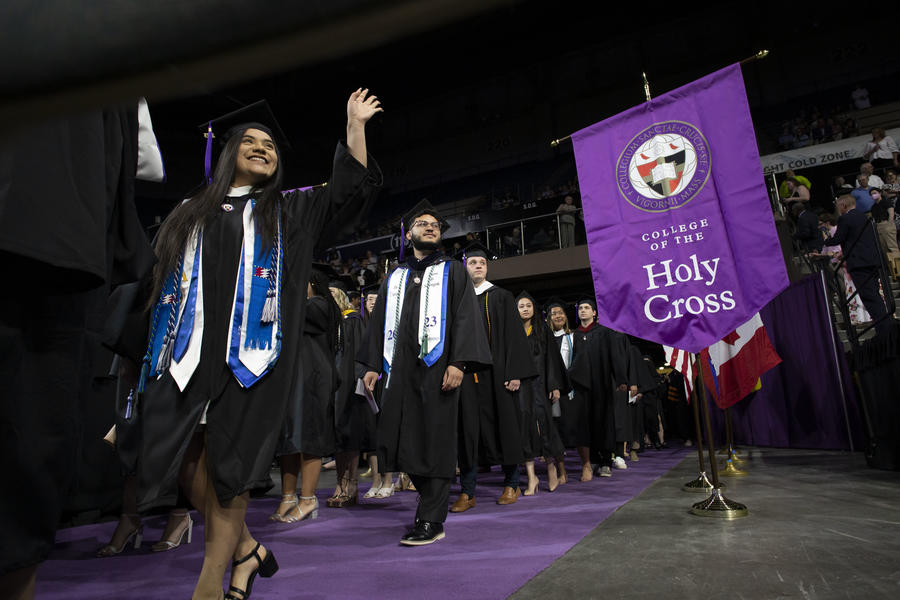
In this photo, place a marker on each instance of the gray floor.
(821, 525)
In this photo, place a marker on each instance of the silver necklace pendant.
(227, 207)
(416, 280)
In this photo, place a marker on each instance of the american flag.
(683, 362)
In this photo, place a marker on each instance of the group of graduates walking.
(442, 372)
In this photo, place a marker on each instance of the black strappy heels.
(266, 567)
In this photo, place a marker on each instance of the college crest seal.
(663, 167)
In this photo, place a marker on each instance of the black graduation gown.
(490, 416)
(69, 233)
(244, 426)
(350, 408)
(629, 415)
(417, 423)
(540, 436)
(308, 424)
(598, 366)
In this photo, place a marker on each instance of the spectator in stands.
(860, 247)
(801, 137)
(860, 97)
(566, 212)
(840, 187)
(807, 233)
(786, 139)
(869, 171)
(881, 150)
(883, 215)
(797, 193)
(547, 193)
(861, 194)
(784, 191)
(820, 132)
(851, 129)
(837, 131)
(858, 312)
(891, 190)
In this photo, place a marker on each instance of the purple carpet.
(489, 552)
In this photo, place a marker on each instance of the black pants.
(866, 282)
(434, 497)
(468, 476)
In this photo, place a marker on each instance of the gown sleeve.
(467, 342)
(328, 211)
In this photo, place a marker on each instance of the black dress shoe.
(425, 532)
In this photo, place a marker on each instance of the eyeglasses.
(432, 224)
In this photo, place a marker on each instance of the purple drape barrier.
(807, 401)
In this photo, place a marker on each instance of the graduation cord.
(174, 300)
(272, 307)
(164, 298)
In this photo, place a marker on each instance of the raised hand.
(361, 107)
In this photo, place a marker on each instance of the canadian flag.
(732, 366)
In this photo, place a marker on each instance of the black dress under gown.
(244, 425)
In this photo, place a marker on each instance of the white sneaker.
(605, 471)
(619, 463)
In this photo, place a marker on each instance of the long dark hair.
(318, 281)
(197, 211)
(538, 326)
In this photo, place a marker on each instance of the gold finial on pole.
(758, 56)
(646, 86)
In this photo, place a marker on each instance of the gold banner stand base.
(701, 484)
(730, 470)
(718, 506)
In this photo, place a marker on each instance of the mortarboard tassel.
(207, 159)
(402, 241)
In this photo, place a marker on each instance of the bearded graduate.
(490, 416)
(420, 340)
(599, 366)
(227, 312)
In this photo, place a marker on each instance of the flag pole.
(758, 56)
(730, 469)
(701, 483)
(717, 505)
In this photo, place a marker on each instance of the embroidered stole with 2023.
(432, 313)
(254, 329)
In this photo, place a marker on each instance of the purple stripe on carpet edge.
(489, 552)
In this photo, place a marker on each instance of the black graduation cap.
(258, 115)
(337, 283)
(353, 294)
(424, 207)
(554, 301)
(526, 294)
(476, 249)
(371, 289)
(587, 299)
(327, 270)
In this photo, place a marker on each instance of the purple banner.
(681, 237)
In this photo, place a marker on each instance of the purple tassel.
(207, 162)
(402, 241)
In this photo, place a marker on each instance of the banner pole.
(758, 56)
(730, 469)
(717, 505)
(701, 483)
